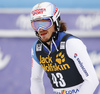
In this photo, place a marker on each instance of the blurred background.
(17, 37)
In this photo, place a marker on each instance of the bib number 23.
(58, 80)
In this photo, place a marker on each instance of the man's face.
(45, 28)
(46, 34)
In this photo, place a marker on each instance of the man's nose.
(40, 29)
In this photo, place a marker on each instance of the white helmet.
(46, 10)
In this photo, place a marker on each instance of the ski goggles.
(43, 23)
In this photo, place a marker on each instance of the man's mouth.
(43, 33)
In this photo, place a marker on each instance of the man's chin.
(45, 40)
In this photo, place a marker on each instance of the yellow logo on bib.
(60, 58)
(49, 65)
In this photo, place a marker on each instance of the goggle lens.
(44, 24)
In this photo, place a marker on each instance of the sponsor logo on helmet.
(38, 11)
(56, 9)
